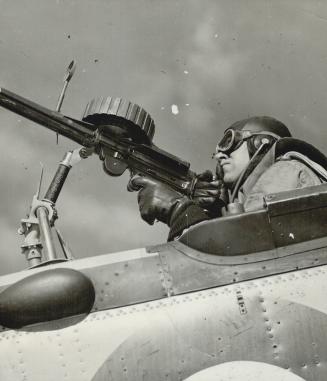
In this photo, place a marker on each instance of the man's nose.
(220, 156)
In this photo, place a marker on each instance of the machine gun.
(119, 131)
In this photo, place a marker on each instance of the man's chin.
(228, 180)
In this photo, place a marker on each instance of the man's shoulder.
(288, 165)
(288, 174)
(283, 175)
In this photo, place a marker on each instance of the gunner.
(256, 156)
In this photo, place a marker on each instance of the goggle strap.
(246, 134)
(264, 133)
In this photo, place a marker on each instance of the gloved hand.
(207, 192)
(156, 200)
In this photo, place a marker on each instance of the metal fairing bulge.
(194, 309)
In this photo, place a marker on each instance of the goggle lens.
(226, 142)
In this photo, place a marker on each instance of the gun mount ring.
(121, 116)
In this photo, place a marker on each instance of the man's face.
(234, 163)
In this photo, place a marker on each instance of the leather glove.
(207, 192)
(156, 200)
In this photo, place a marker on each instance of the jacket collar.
(266, 162)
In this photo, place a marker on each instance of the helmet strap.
(254, 161)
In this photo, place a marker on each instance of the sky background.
(218, 61)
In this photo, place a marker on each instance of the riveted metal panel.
(296, 200)
(233, 235)
(127, 282)
(187, 270)
(284, 251)
(298, 335)
(206, 329)
(119, 279)
(271, 321)
(298, 227)
(291, 217)
(175, 269)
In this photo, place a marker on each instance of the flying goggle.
(233, 139)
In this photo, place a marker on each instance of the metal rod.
(57, 183)
(42, 215)
(61, 97)
(64, 246)
(69, 73)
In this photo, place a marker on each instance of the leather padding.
(285, 145)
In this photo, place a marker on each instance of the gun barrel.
(80, 132)
(140, 158)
